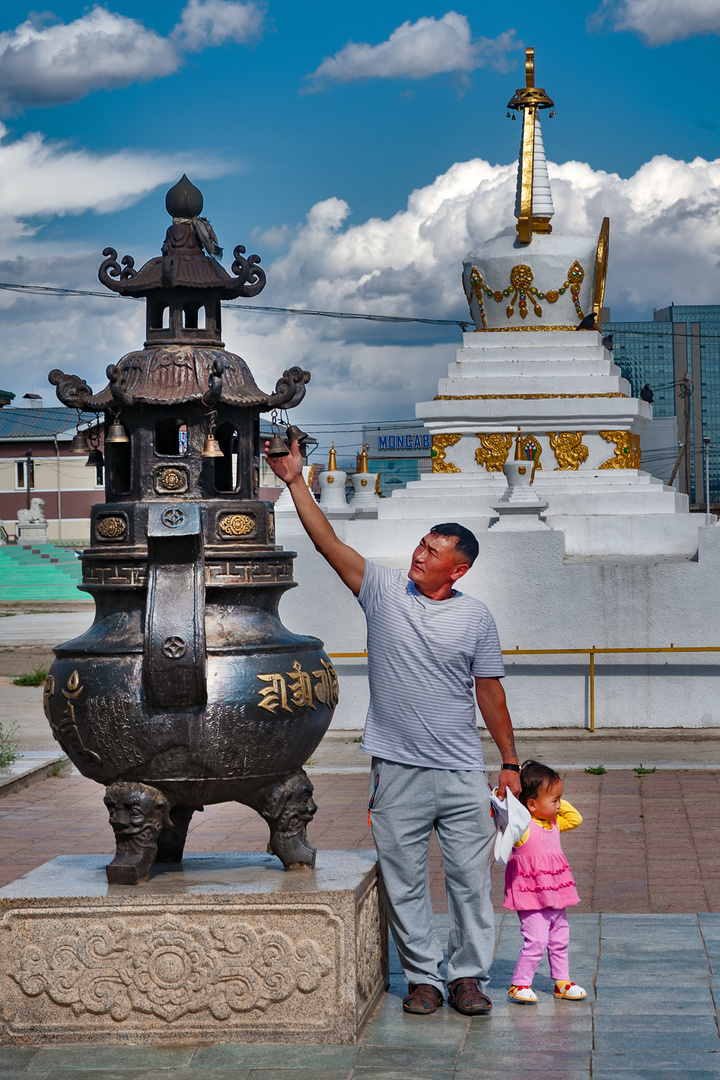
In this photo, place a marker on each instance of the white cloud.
(658, 22)
(43, 64)
(40, 179)
(664, 246)
(211, 22)
(417, 51)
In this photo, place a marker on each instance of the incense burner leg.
(288, 807)
(171, 841)
(138, 814)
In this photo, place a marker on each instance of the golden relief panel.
(568, 448)
(493, 450)
(236, 525)
(111, 528)
(522, 292)
(171, 479)
(530, 450)
(440, 445)
(627, 450)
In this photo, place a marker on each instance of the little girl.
(539, 885)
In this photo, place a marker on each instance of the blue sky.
(308, 147)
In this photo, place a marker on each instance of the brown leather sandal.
(422, 998)
(465, 996)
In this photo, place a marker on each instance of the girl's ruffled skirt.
(539, 881)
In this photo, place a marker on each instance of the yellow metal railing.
(591, 654)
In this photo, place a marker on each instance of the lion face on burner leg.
(138, 813)
(297, 806)
(288, 807)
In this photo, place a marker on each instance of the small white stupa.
(520, 507)
(333, 501)
(366, 499)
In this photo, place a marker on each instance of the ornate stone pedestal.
(225, 947)
(32, 533)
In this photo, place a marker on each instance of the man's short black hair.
(465, 541)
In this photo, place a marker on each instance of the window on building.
(21, 476)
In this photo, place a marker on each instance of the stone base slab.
(33, 534)
(220, 948)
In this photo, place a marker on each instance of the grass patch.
(595, 770)
(36, 677)
(8, 745)
(640, 770)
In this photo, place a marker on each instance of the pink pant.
(544, 929)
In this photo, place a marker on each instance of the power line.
(51, 290)
(54, 290)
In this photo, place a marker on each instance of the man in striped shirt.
(432, 653)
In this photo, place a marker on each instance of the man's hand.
(347, 563)
(509, 779)
(287, 468)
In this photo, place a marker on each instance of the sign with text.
(401, 440)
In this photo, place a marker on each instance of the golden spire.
(519, 456)
(364, 466)
(529, 99)
(332, 462)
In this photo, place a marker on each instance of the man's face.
(436, 562)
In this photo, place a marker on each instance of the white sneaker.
(570, 990)
(523, 995)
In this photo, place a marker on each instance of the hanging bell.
(211, 448)
(79, 444)
(116, 433)
(277, 446)
(295, 433)
(95, 459)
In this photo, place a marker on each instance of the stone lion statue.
(35, 515)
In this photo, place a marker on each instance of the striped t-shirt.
(422, 656)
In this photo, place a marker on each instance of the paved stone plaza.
(645, 943)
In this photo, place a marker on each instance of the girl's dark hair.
(534, 777)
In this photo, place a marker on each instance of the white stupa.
(333, 500)
(622, 565)
(536, 360)
(366, 499)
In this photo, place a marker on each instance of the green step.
(26, 575)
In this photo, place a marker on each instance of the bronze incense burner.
(187, 689)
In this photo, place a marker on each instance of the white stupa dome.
(528, 277)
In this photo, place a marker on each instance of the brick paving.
(647, 857)
(648, 844)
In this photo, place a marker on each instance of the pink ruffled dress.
(538, 875)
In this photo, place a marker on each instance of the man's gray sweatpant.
(406, 803)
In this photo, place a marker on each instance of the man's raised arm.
(347, 563)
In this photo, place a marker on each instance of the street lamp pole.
(28, 471)
(706, 455)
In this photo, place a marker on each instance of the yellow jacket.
(567, 818)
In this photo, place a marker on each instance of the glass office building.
(681, 339)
